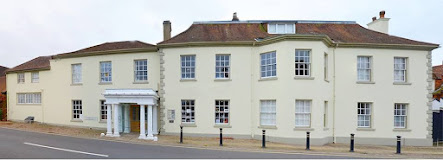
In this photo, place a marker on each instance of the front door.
(135, 118)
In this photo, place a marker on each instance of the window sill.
(326, 80)
(365, 129)
(267, 127)
(325, 129)
(76, 120)
(105, 83)
(304, 77)
(402, 83)
(141, 82)
(401, 130)
(76, 84)
(102, 121)
(222, 126)
(188, 80)
(267, 78)
(222, 79)
(188, 125)
(365, 82)
(303, 129)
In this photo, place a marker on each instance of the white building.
(331, 78)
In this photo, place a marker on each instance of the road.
(22, 144)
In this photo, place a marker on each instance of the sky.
(29, 29)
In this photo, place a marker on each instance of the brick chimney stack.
(166, 30)
(234, 17)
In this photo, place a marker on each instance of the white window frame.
(364, 72)
(222, 112)
(303, 113)
(289, 28)
(103, 110)
(29, 98)
(141, 70)
(77, 109)
(35, 77)
(303, 62)
(401, 68)
(268, 113)
(187, 63)
(106, 72)
(76, 70)
(20, 77)
(364, 112)
(268, 64)
(401, 111)
(188, 111)
(222, 66)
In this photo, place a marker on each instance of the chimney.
(166, 30)
(234, 17)
(381, 24)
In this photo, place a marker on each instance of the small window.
(268, 113)
(222, 66)
(400, 69)
(302, 63)
(268, 65)
(29, 98)
(302, 113)
(103, 110)
(325, 66)
(76, 73)
(188, 111)
(20, 77)
(188, 66)
(281, 28)
(364, 68)
(400, 115)
(105, 72)
(325, 115)
(141, 70)
(76, 109)
(221, 111)
(364, 115)
(35, 78)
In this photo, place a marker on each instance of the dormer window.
(281, 28)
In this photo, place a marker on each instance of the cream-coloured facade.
(331, 91)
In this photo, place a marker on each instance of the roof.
(112, 46)
(437, 72)
(338, 32)
(3, 71)
(39, 63)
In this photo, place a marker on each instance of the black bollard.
(221, 136)
(398, 144)
(307, 141)
(263, 143)
(352, 143)
(181, 134)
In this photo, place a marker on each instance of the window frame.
(308, 64)
(228, 117)
(102, 72)
(365, 109)
(406, 107)
(35, 79)
(272, 113)
(74, 75)
(285, 30)
(325, 114)
(369, 69)
(136, 71)
(20, 78)
(73, 109)
(405, 70)
(266, 64)
(309, 113)
(220, 61)
(326, 66)
(183, 68)
(190, 117)
(102, 103)
(30, 98)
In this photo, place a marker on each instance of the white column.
(154, 122)
(108, 120)
(142, 122)
(127, 129)
(150, 135)
(116, 113)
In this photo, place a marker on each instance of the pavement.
(23, 144)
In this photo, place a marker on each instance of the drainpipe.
(334, 139)
(251, 101)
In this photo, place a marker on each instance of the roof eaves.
(95, 53)
(389, 46)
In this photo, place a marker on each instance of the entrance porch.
(133, 110)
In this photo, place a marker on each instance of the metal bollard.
(307, 140)
(263, 143)
(181, 134)
(352, 143)
(221, 136)
(398, 144)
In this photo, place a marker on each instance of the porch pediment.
(138, 96)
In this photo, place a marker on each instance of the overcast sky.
(34, 28)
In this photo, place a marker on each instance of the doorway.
(134, 116)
